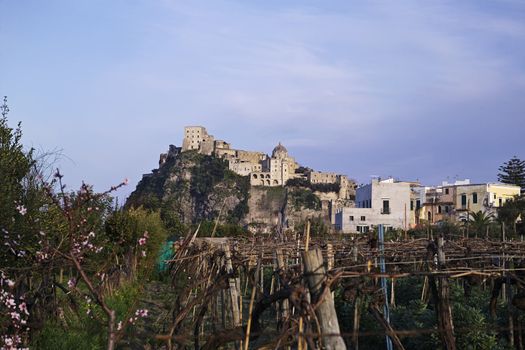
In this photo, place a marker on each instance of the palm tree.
(480, 221)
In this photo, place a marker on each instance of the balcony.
(385, 211)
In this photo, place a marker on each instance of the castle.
(263, 170)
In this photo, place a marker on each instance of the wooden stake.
(250, 310)
(330, 255)
(307, 242)
(357, 318)
(440, 291)
(316, 278)
(234, 293)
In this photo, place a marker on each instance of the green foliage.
(474, 330)
(192, 187)
(55, 336)
(223, 230)
(80, 330)
(510, 211)
(513, 173)
(304, 198)
(480, 221)
(319, 187)
(317, 227)
(205, 175)
(125, 227)
(20, 200)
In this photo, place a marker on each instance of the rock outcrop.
(190, 188)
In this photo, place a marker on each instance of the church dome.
(279, 151)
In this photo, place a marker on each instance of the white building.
(384, 202)
(275, 170)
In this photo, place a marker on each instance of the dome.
(279, 150)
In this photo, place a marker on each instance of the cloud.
(346, 85)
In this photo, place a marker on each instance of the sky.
(417, 90)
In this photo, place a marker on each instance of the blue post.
(386, 311)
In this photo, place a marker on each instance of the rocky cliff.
(190, 188)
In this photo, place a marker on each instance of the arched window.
(255, 176)
(267, 176)
(262, 182)
(268, 182)
(275, 182)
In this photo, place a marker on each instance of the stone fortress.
(263, 170)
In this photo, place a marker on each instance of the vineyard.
(279, 293)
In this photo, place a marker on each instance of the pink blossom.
(23, 308)
(71, 283)
(119, 325)
(21, 209)
(126, 181)
(142, 241)
(141, 313)
(143, 253)
(10, 303)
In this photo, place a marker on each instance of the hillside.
(190, 188)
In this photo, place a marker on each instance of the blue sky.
(428, 90)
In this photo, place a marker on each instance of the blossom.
(119, 325)
(143, 253)
(71, 283)
(142, 241)
(21, 209)
(10, 283)
(23, 308)
(141, 313)
(126, 181)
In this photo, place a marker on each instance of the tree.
(480, 221)
(15, 164)
(513, 172)
(511, 210)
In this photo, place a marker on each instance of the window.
(439, 209)
(418, 204)
(446, 190)
(351, 218)
(363, 218)
(362, 229)
(463, 200)
(500, 201)
(411, 205)
(446, 208)
(474, 198)
(386, 207)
